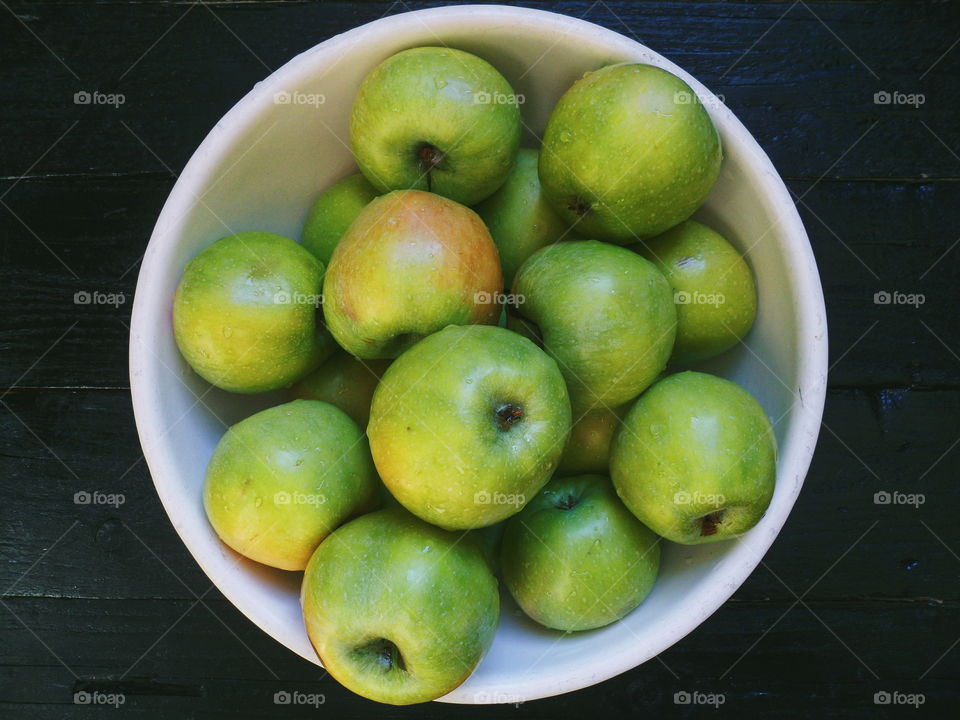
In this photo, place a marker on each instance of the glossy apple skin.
(344, 381)
(410, 264)
(628, 152)
(519, 218)
(389, 576)
(283, 479)
(245, 313)
(333, 212)
(588, 449)
(438, 441)
(696, 459)
(713, 288)
(575, 558)
(609, 320)
(433, 97)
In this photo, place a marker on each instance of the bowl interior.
(260, 169)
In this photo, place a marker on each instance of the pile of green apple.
(503, 391)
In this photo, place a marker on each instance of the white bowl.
(261, 167)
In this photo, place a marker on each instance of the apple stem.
(508, 415)
(430, 158)
(708, 523)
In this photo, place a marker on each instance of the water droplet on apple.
(258, 502)
(227, 331)
(440, 83)
(566, 136)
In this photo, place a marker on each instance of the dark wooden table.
(854, 598)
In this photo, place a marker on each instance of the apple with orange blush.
(411, 263)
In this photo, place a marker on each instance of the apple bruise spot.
(508, 415)
(708, 523)
(684, 261)
(429, 158)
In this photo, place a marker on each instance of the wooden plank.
(801, 76)
(86, 441)
(200, 667)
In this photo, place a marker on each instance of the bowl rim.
(744, 555)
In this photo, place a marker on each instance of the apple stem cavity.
(387, 655)
(579, 206)
(430, 158)
(508, 415)
(708, 523)
(568, 502)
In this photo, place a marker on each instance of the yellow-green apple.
(608, 319)
(588, 449)
(398, 610)
(520, 220)
(283, 479)
(332, 213)
(712, 285)
(344, 381)
(437, 119)
(411, 263)
(696, 459)
(468, 424)
(245, 313)
(629, 151)
(575, 558)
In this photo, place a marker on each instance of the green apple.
(437, 119)
(588, 449)
(399, 611)
(628, 152)
(712, 285)
(245, 313)
(332, 213)
(519, 218)
(411, 263)
(608, 319)
(489, 539)
(282, 480)
(696, 459)
(468, 424)
(344, 381)
(575, 558)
